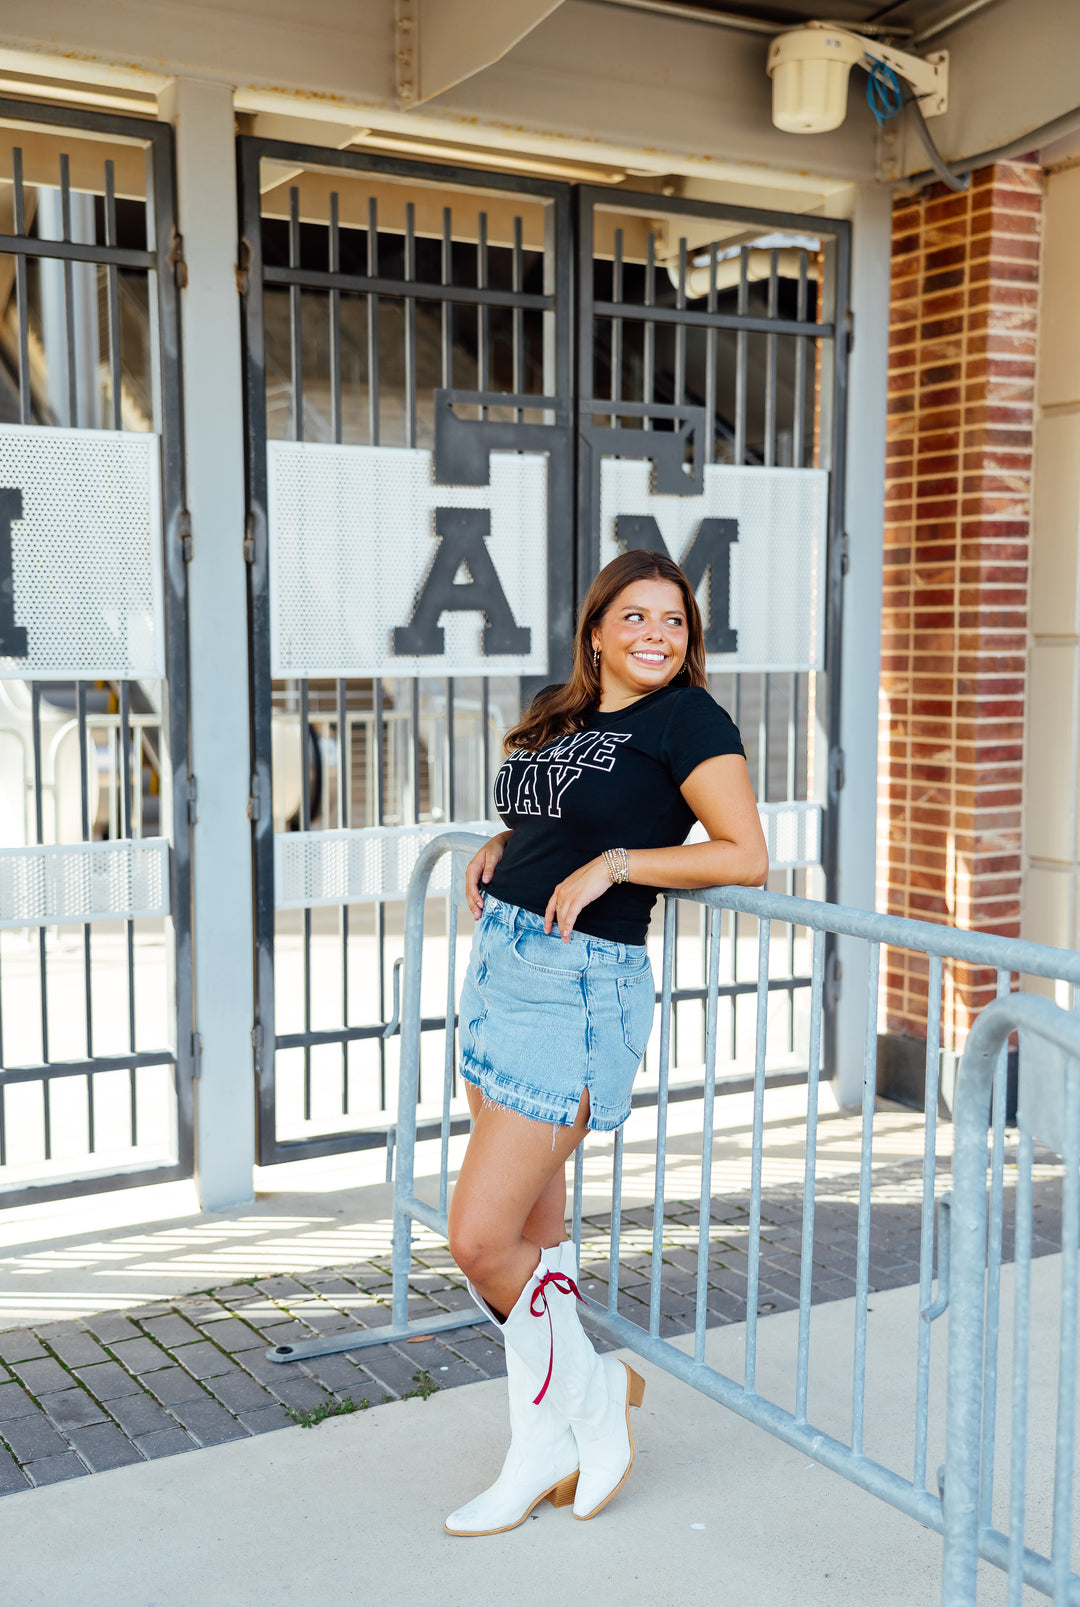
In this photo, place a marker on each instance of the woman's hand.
(571, 896)
(481, 868)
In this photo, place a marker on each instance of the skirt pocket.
(637, 1002)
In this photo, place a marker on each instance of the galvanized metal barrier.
(1049, 1111)
(971, 1289)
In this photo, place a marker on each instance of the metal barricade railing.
(976, 1253)
(1049, 1110)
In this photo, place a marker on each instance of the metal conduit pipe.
(1057, 128)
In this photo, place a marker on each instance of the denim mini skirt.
(542, 1020)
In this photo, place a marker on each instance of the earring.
(596, 658)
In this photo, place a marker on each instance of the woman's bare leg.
(509, 1167)
(545, 1225)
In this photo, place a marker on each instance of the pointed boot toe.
(605, 1441)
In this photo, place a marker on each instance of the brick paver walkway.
(80, 1397)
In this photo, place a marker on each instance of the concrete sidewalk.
(716, 1513)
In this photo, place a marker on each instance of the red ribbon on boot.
(566, 1286)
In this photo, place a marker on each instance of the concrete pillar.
(861, 652)
(201, 113)
(1051, 907)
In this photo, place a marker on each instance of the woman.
(603, 781)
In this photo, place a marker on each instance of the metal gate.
(95, 972)
(438, 464)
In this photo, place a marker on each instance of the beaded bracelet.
(618, 864)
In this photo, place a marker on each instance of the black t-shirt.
(613, 784)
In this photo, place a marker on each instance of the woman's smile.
(642, 641)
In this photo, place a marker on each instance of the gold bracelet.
(618, 865)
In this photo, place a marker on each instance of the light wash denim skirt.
(541, 1020)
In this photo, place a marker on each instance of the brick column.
(961, 403)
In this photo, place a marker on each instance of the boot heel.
(563, 1493)
(635, 1393)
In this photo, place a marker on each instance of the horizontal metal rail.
(424, 289)
(638, 312)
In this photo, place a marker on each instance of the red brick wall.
(961, 412)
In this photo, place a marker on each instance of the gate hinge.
(249, 538)
(242, 268)
(183, 529)
(834, 973)
(256, 1045)
(845, 553)
(196, 1054)
(836, 771)
(176, 262)
(849, 320)
(192, 800)
(254, 803)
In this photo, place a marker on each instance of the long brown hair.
(559, 709)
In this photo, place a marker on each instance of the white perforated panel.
(352, 538)
(777, 563)
(86, 554)
(793, 833)
(84, 882)
(358, 866)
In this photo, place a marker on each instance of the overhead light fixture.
(810, 67)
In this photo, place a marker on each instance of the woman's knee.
(478, 1249)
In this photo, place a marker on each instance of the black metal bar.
(483, 313)
(400, 289)
(410, 326)
(446, 261)
(296, 313)
(20, 245)
(164, 300)
(50, 1070)
(648, 366)
(253, 327)
(650, 316)
(798, 423)
(335, 321)
(372, 320)
(112, 280)
(616, 384)
(69, 303)
(517, 321)
(680, 328)
(771, 357)
(22, 304)
(710, 368)
(741, 362)
(81, 1187)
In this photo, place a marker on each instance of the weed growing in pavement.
(325, 1409)
(425, 1386)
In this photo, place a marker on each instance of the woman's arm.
(481, 868)
(720, 794)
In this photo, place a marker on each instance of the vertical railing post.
(967, 1284)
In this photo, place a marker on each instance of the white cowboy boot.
(594, 1392)
(542, 1459)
